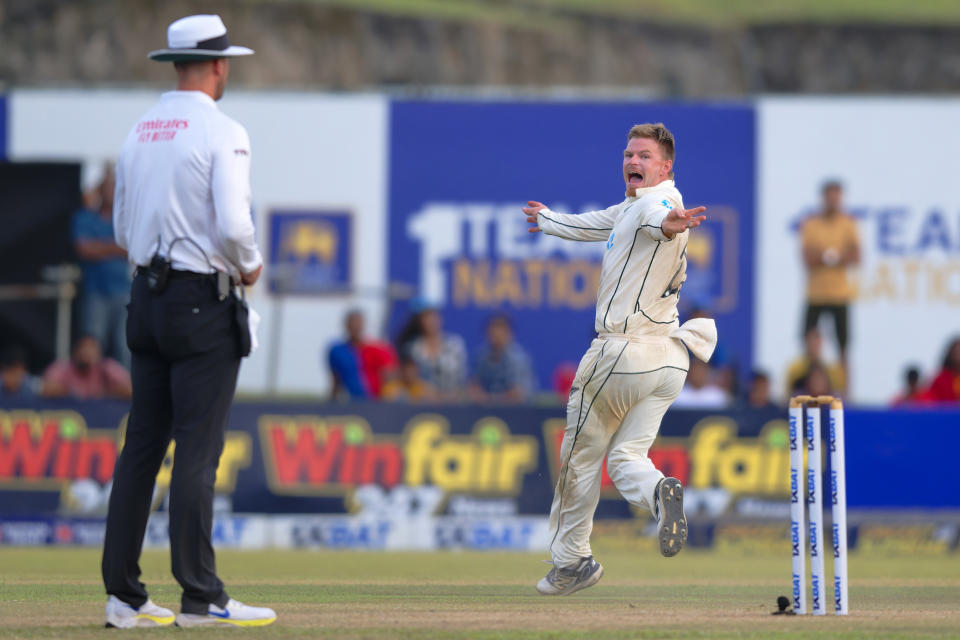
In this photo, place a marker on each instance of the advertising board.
(460, 171)
(382, 476)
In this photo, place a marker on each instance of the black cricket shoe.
(671, 521)
(564, 581)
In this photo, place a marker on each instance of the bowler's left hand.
(679, 220)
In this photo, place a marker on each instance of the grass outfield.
(56, 593)
(546, 13)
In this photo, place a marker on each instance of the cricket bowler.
(637, 364)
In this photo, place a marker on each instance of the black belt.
(176, 274)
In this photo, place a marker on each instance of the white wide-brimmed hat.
(197, 38)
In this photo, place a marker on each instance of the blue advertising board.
(57, 457)
(387, 476)
(460, 171)
(310, 252)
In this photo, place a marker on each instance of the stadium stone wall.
(313, 45)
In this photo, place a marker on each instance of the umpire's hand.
(250, 278)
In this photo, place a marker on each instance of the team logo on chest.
(610, 239)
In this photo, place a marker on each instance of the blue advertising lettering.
(794, 486)
(815, 583)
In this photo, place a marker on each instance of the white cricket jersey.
(642, 269)
(184, 171)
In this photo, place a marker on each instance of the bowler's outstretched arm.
(592, 226)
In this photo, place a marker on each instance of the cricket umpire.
(182, 212)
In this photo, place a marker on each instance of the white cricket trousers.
(623, 387)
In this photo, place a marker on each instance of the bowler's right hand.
(532, 210)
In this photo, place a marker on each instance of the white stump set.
(806, 489)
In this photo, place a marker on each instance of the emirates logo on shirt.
(159, 130)
(241, 152)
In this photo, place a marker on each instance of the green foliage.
(565, 13)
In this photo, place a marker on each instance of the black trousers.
(185, 360)
(839, 313)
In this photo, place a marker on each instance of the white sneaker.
(235, 613)
(564, 581)
(122, 616)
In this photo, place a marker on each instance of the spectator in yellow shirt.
(831, 246)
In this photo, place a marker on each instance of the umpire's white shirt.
(184, 171)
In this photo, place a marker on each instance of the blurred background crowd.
(426, 362)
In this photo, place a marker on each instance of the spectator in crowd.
(812, 357)
(87, 374)
(406, 385)
(441, 357)
(700, 391)
(946, 384)
(15, 379)
(359, 365)
(412, 329)
(831, 245)
(758, 393)
(913, 393)
(106, 274)
(502, 371)
(816, 382)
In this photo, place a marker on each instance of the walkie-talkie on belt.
(157, 273)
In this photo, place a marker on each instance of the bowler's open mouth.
(635, 178)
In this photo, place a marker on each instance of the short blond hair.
(659, 133)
